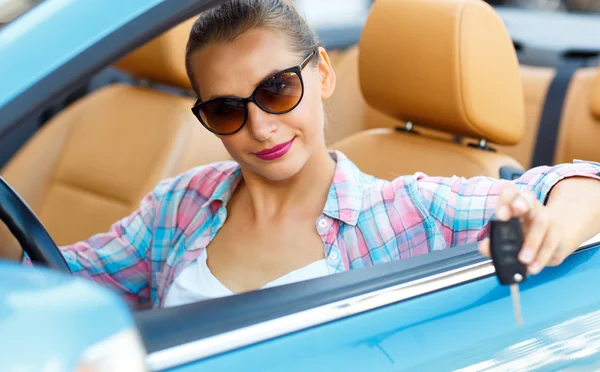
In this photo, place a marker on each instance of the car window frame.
(82, 66)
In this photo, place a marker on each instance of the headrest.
(595, 102)
(161, 60)
(445, 64)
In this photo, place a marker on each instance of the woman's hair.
(226, 22)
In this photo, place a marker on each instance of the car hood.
(57, 316)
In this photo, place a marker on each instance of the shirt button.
(322, 223)
(333, 255)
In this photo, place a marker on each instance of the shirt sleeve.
(120, 258)
(461, 208)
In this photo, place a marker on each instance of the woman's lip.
(274, 148)
(275, 152)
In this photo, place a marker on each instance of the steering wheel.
(28, 230)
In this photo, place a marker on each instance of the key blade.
(514, 294)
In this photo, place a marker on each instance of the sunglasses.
(278, 94)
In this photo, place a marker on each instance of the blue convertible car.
(438, 312)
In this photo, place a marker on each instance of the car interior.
(398, 108)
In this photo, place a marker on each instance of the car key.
(506, 240)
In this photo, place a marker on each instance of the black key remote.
(506, 240)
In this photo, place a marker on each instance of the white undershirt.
(197, 283)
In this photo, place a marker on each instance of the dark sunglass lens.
(280, 93)
(223, 115)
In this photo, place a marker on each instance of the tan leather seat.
(452, 68)
(349, 113)
(579, 133)
(536, 81)
(91, 164)
(346, 110)
(580, 120)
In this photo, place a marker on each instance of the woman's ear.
(327, 74)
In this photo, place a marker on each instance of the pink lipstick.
(275, 152)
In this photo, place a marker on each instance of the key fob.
(506, 240)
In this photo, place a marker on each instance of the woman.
(287, 209)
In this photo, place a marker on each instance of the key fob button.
(508, 260)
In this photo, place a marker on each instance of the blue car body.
(49, 319)
(435, 317)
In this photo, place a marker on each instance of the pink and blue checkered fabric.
(365, 221)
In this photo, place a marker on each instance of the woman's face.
(235, 69)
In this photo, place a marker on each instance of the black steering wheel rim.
(28, 230)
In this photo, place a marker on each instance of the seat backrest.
(346, 110)
(92, 163)
(579, 128)
(579, 134)
(536, 81)
(452, 68)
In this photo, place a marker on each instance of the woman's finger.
(523, 204)
(536, 231)
(547, 251)
(503, 208)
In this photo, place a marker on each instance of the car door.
(443, 311)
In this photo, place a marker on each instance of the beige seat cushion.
(91, 165)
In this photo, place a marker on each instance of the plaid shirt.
(366, 221)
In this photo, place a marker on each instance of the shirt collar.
(227, 185)
(344, 199)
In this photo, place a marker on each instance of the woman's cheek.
(233, 146)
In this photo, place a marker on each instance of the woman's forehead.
(235, 68)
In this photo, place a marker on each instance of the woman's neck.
(301, 196)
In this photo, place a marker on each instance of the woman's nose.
(260, 123)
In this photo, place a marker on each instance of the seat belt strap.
(547, 135)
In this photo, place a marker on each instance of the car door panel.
(450, 329)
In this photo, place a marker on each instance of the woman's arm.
(552, 232)
(119, 258)
(461, 208)
(575, 202)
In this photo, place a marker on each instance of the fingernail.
(535, 268)
(503, 213)
(520, 204)
(526, 255)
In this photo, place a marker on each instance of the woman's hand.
(544, 240)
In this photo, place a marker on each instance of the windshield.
(334, 13)
(585, 6)
(11, 9)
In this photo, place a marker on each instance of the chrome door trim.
(195, 350)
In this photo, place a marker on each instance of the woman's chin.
(280, 169)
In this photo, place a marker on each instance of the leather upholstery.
(451, 66)
(580, 128)
(161, 60)
(346, 110)
(536, 81)
(595, 97)
(440, 86)
(387, 154)
(91, 164)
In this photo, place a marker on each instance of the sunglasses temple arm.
(308, 58)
